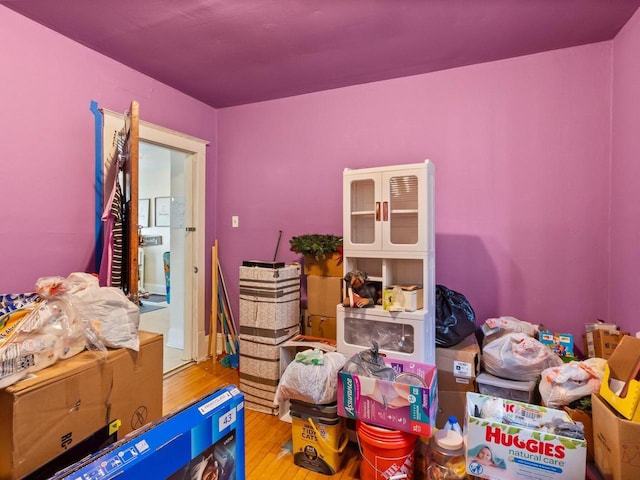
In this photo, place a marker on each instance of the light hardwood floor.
(268, 439)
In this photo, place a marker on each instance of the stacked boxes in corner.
(269, 316)
(324, 293)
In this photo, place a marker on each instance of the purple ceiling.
(232, 52)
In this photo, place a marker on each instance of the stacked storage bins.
(269, 316)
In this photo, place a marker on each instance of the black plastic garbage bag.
(455, 318)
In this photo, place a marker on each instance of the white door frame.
(196, 339)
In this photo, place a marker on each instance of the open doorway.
(178, 211)
(161, 258)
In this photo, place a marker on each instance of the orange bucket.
(386, 454)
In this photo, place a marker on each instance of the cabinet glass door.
(362, 212)
(404, 209)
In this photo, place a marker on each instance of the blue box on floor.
(203, 438)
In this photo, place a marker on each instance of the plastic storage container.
(510, 389)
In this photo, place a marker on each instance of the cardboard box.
(601, 343)
(323, 327)
(398, 405)
(323, 295)
(328, 267)
(48, 413)
(450, 403)
(519, 448)
(616, 442)
(620, 385)
(458, 366)
(176, 445)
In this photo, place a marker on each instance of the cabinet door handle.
(377, 211)
(385, 211)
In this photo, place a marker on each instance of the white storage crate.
(510, 389)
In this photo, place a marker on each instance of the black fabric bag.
(455, 318)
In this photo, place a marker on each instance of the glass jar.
(445, 459)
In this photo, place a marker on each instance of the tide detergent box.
(510, 440)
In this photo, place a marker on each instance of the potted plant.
(322, 253)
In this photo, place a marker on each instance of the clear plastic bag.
(369, 363)
(311, 382)
(571, 381)
(517, 356)
(496, 327)
(39, 334)
(107, 311)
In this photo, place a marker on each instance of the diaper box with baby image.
(510, 440)
(404, 398)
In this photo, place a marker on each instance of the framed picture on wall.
(143, 212)
(163, 211)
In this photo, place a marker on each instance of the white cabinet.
(387, 209)
(389, 234)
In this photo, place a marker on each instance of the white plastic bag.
(111, 314)
(311, 383)
(517, 356)
(496, 327)
(571, 381)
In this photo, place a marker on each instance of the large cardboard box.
(184, 444)
(616, 442)
(409, 404)
(44, 415)
(601, 343)
(620, 385)
(450, 403)
(458, 366)
(323, 327)
(323, 295)
(515, 443)
(328, 267)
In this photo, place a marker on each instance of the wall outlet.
(234, 221)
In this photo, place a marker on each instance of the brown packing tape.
(256, 379)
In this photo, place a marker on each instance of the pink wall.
(47, 147)
(521, 150)
(625, 172)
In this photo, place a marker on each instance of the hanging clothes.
(112, 261)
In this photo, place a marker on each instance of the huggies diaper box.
(510, 440)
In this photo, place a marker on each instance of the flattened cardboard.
(44, 415)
